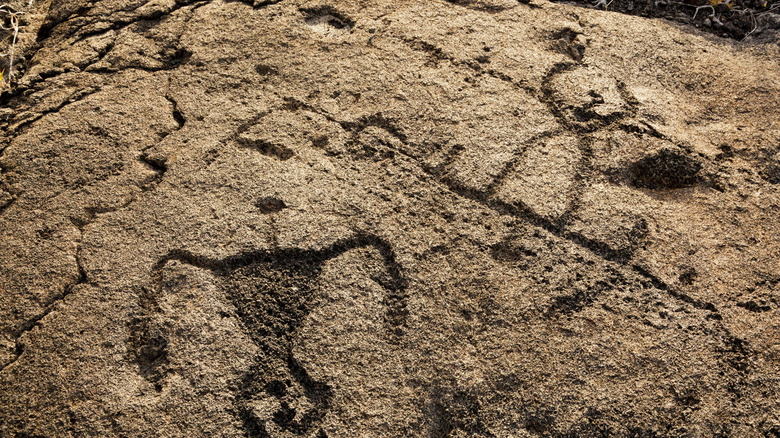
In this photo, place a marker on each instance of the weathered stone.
(449, 218)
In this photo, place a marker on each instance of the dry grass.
(9, 22)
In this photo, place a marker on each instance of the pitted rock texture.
(426, 218)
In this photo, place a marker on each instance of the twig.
(755, 24)
(14, 19)
(698, 8)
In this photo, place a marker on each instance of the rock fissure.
(29, 119)
(48, 308)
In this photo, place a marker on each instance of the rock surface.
(420, 218)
